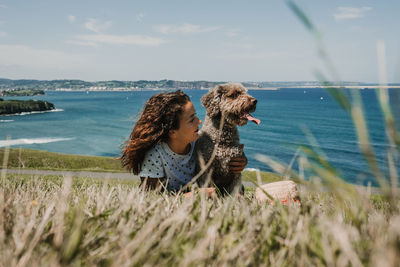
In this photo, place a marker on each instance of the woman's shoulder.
(154, 150)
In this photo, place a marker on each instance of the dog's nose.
(254, 101)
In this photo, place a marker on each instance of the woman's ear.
(172, 134)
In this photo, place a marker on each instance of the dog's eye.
(233, 95)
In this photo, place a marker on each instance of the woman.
(161, 146)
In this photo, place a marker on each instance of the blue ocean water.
(98, 123)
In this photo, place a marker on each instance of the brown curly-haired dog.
(233, 104)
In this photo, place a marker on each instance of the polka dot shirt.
(160, 161)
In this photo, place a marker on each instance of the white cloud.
(233, 32)
(71, 18)
(186, 28)
(3, 34)
(343, 13)
(29, 57)
(238, 46)
(96, 25)
(82, 43)
(96, 39)
(251, 56)
(139, 17)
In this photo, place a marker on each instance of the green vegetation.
(18, 106)
(26, 92)
(43, 160)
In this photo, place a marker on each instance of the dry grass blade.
(141, 228)
(364, 141)
(5, 163)
(383, 96)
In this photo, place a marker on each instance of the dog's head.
(232, 101)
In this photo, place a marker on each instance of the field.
(29, 159)
(61, 220)
(52, 221)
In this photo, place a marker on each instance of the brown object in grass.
(210, 191)
(284, 191)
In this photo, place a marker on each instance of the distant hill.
(8, 84)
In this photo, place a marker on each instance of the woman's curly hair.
(160, 115)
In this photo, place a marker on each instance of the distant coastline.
(8, 85)
(249, 88)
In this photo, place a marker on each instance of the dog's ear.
(211, 102)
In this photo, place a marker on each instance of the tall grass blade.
(338, 94)
(364, 141)
(302, 16)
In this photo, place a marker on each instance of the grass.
(51, 221)
(43, 160)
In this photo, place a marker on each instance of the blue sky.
(216, 40)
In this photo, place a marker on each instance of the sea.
(98, 123)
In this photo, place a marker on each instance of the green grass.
(77, 182)
(43, 160)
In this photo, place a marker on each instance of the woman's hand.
(237, 165)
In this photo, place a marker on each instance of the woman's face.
(188, 125)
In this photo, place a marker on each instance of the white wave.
(251, 169)
(26, 141)
(6, 120)
(35, 112)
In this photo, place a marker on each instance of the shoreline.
(356, 87)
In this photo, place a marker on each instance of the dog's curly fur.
(229, 102)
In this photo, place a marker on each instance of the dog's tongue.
(251, 118)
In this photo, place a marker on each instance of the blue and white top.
(160, 161)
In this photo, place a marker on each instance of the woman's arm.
(148, 183)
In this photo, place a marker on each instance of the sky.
(215, 40)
